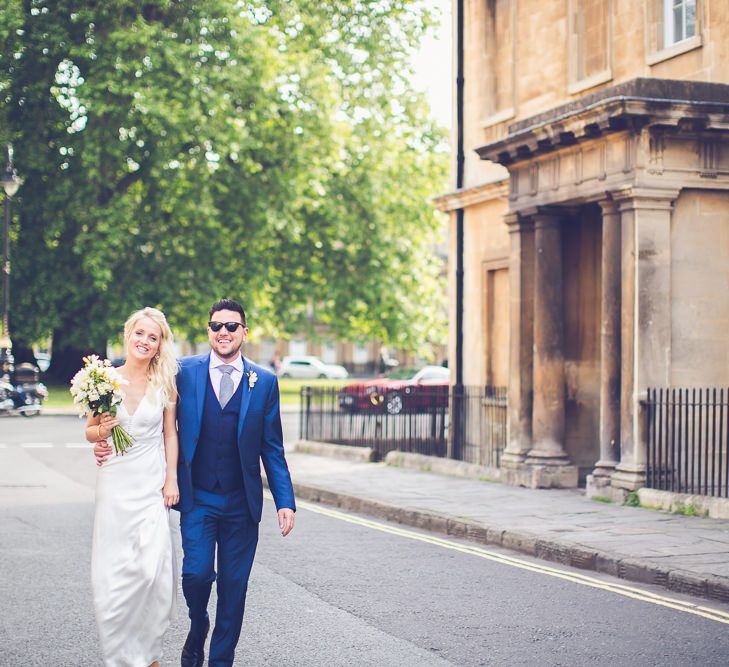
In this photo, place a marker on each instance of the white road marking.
(37, 445)
(574, 577)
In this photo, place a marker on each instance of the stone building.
(596, 222)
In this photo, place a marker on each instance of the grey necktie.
(226, 384)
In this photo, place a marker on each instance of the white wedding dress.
(133, 568)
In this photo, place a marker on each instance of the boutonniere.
(252, 379)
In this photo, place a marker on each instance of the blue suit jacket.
(259, 433)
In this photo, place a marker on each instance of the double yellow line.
(574, 577)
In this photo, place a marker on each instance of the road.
(341, 590)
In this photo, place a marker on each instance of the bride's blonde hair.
(163, 367)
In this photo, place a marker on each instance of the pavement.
(686, 554)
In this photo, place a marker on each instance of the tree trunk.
(67, 358)
(23, 353)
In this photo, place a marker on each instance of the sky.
(432, 64)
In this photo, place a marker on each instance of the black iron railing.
(687, 438)
(417, 418)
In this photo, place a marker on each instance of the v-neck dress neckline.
(139, 405)
(141, 400)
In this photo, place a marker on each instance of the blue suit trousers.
(221, 519)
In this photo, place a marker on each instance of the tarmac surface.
(683, 553)
(687, 554)
(345, 589)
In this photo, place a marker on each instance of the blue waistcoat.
(216, 465)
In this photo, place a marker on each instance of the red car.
(401, 390)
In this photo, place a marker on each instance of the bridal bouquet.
(96, 388)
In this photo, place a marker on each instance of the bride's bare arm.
(171, 491)
(99, 427)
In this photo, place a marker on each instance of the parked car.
(401, 390)
(307, 366)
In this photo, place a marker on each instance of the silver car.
(307, 366)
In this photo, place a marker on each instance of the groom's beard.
(230, 356)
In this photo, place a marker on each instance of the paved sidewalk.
(686, 554)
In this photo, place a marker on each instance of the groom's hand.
(286, 520)
(102, 451)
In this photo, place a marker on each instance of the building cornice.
(483, 192)
(692, 105)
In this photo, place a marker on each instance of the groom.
(228, 421)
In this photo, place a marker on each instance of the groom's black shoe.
(193, 652)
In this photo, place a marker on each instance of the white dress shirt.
(216, 374)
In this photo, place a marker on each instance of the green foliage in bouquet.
(96, 389)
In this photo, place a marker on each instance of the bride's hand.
(102, 451)
(106, 423)
(171, 492)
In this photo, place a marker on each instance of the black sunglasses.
(230, 326)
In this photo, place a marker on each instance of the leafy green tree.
(175, 151)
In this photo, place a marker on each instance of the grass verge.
(59, 396)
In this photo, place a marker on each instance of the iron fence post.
(457, 423)
(306, 412)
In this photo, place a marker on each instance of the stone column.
(521, 329)
(645, 319)
(548, 416)
(609, 349)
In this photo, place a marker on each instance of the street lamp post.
(10, 183)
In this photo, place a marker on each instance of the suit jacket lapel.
(245, 398)
(201, 380)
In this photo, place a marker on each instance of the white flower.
(252, 379)
(96, 386)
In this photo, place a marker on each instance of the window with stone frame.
(329, 352)
(360, 353)
(679, 21)
(673, 28)
(496, 322)
(589, 43)
(500, 40)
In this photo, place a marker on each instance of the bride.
(133, 568)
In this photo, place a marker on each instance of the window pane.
(297, 348)
(267, 350)
(667, 23)
(329, 353)
(360, 354)
(690, 18)
(677, 23)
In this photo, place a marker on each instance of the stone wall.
(486, 249)
(616, 151)
(553, 62)
(700, 289)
